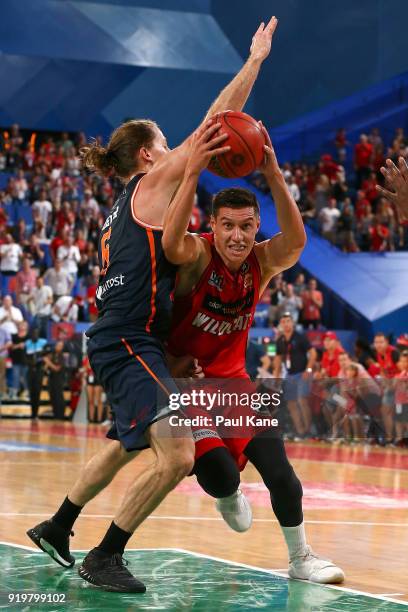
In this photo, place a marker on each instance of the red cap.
(331, 335)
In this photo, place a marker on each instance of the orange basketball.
(246, 140)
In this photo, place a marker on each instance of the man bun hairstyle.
(236, 197)
(119, 155)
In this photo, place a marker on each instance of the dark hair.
(120, 153)
(234, 198)
(380, 335)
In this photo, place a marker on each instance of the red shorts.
(236, 447)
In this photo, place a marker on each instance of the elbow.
(171, 252)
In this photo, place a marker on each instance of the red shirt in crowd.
(401, 388)
(330, 362)
(311, 312)
(363, 153)
(379, 235)
(388, 362)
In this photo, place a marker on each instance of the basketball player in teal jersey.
(125, 347)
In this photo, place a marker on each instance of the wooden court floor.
(355, 505)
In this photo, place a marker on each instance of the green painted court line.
(177, 580)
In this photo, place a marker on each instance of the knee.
(217, 473)
(180, 462)
(282, 478)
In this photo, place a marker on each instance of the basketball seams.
(240, 137)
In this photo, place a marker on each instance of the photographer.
(55, 365)
(34, 348)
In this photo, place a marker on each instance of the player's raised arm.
(397, 179)
(179, 246)
(237, 92)
(283, 250)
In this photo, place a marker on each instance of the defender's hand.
(397, 179)
(262, 40)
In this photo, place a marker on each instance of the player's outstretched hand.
(397, 179)
(262, 40)
(205, 143)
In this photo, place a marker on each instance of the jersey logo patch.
(216, 281)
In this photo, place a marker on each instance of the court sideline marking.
(236, 564)
(160, 517)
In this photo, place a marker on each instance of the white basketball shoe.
(236, 511)
(309, 566)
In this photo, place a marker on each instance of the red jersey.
(388, 362)
(212, 322)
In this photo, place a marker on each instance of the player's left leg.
(218, 475)
(267, 453)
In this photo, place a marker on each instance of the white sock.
(295, 540)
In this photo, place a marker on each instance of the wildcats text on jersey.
(220, 328)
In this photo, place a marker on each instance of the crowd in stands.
(338, 198)
(51, 212)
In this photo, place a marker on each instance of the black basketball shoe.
(54, 540)
(109, 572)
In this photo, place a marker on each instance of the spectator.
(10, 254)
(329, 216)
(54, 363)
(40, 304)
(35, 252)
(58, 279)
(380, 236)
(312, 300)
(42, 207)
(385, 369)
(401, 399)
(19, 360)
(290, 303)
(341, 144)
(91, 295)
(34, 354)
(94, 394)
(293, 188)
(294, 353)
(20, 233)
(68, 253)
(25, 282)
(65, 310)
(5, 344)
(277, 293)
(10, 316)
(299, 285)
(363, 159)
(345, 226)
(330, 360)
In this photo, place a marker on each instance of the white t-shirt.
(70, 257)
(41, 296)
(44, 209)
(10, 257)
(328, 217)
(11, 317)
(67, 309)
(294, 190)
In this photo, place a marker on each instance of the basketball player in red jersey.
(220, 279)
(126, 342)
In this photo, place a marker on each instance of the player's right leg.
(52, 536)
(174, 459)
(138, 388)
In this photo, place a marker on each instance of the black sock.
(67, 514)
(115, 540)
